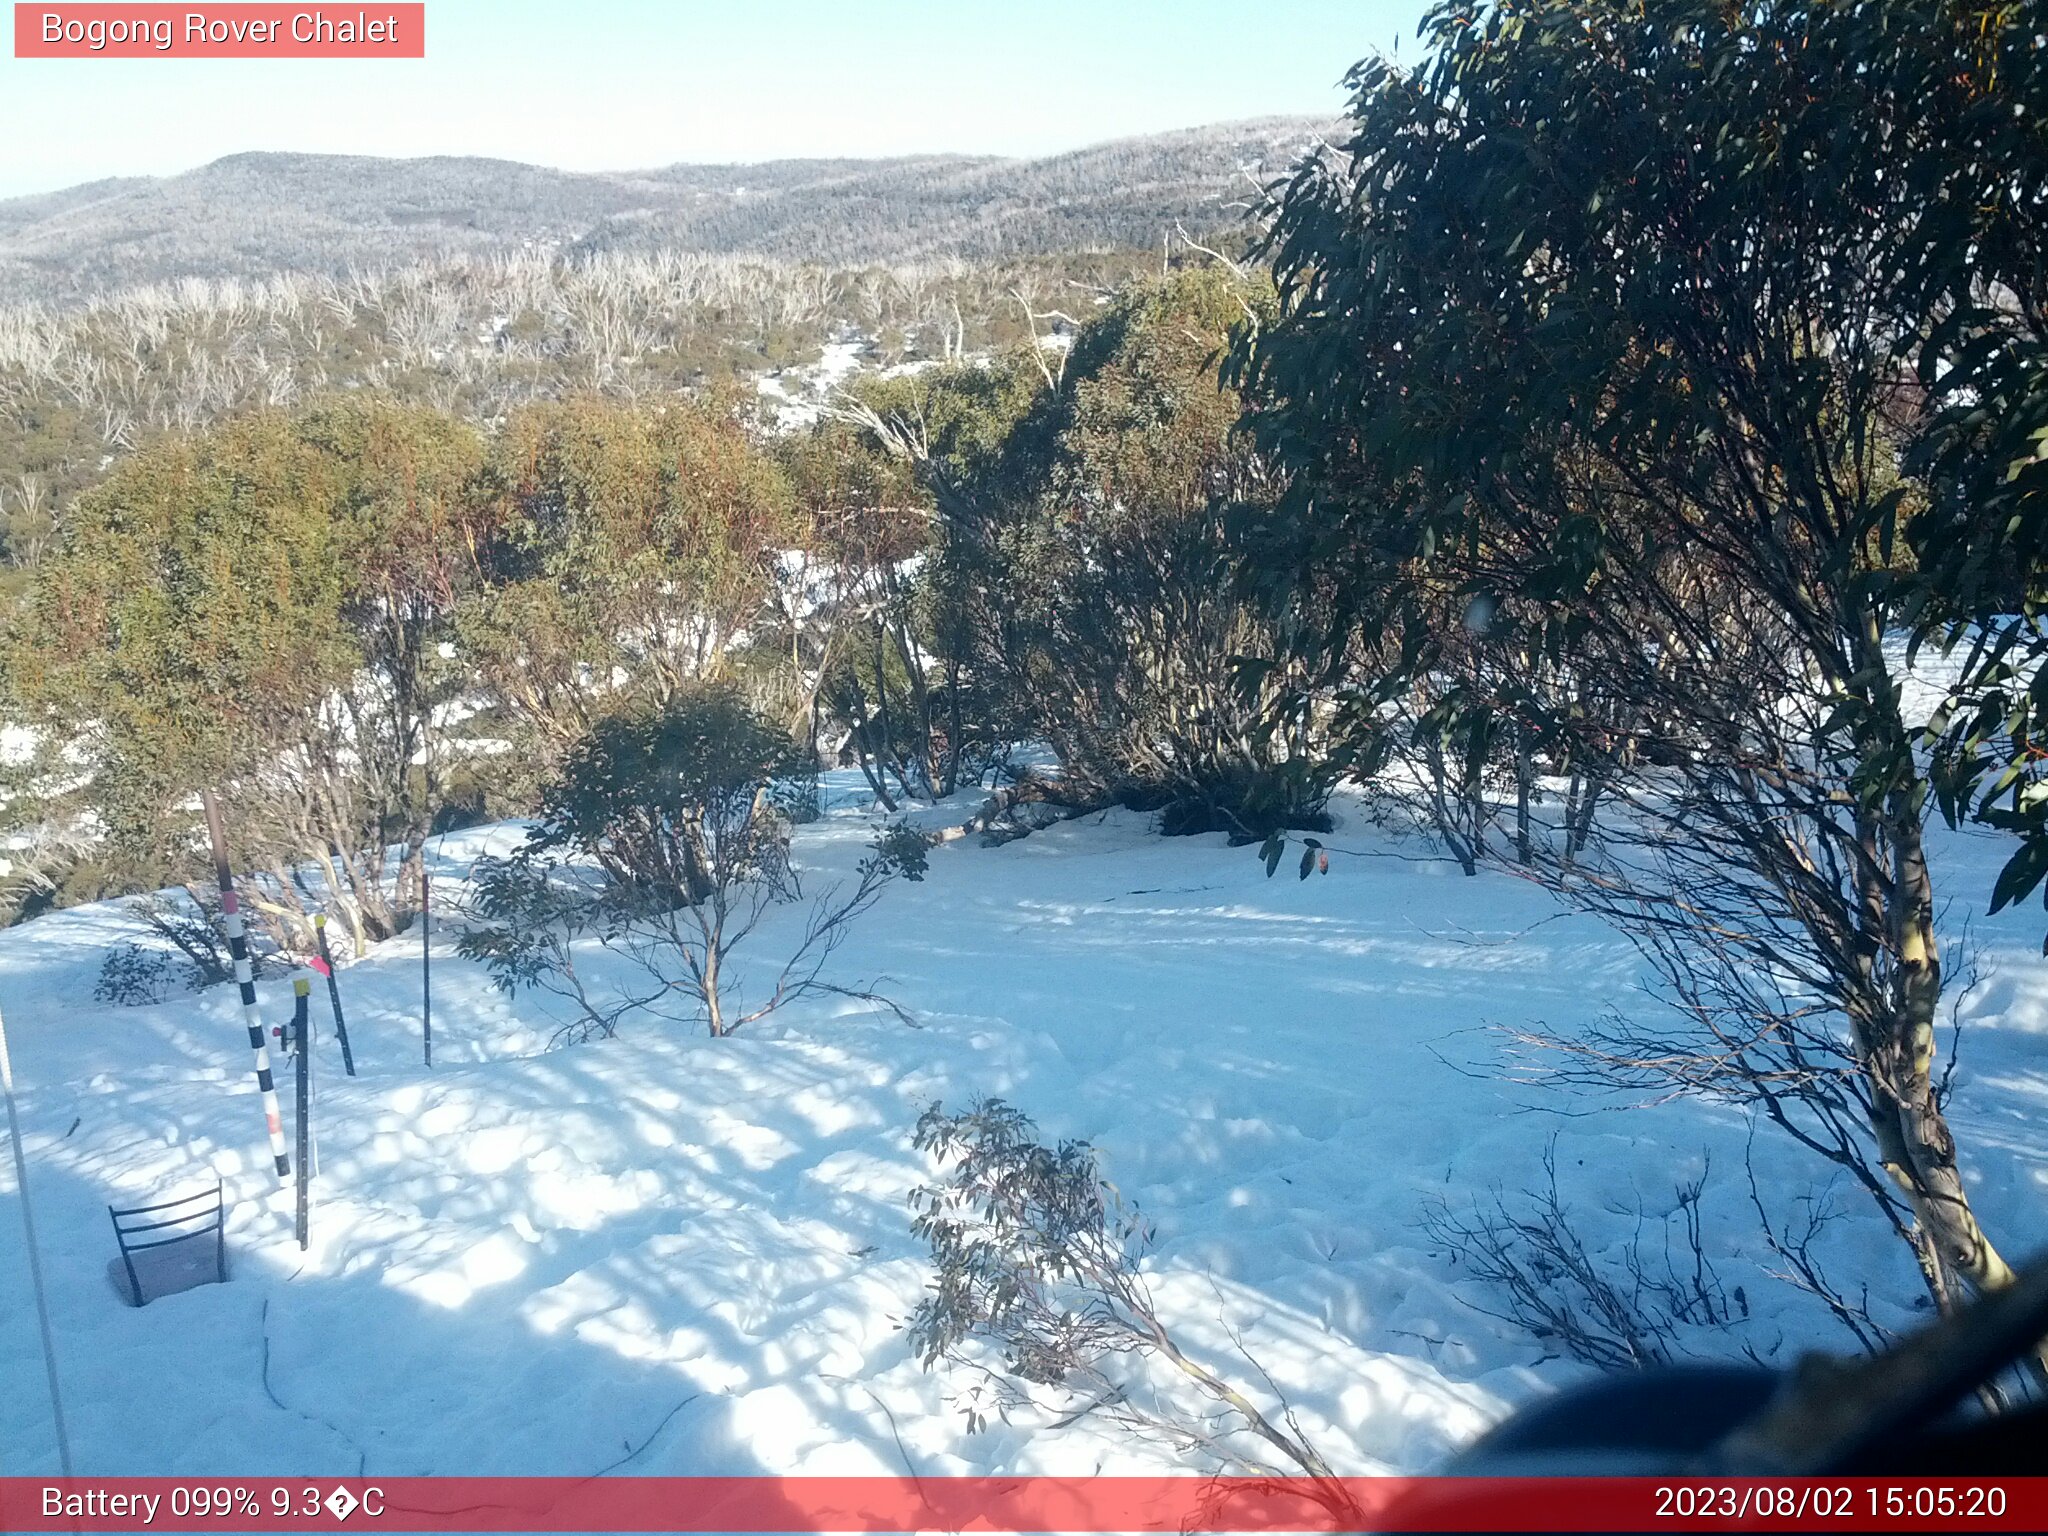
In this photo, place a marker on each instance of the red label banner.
(239, 31)
(1021, 1504)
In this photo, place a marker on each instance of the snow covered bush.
(666, 838)
(1038, 1257)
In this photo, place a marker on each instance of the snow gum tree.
(913, 679)
(1598, 333)
(1095, 557)
(632, 546)
(1971, 293)
(250, 609)
(875, 625)
(682, 813)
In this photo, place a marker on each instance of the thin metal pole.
(245, 980)
(303, 1079)
(426, 965)
(35, 1259)
(326, 968)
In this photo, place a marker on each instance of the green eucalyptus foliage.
(1098, 558)
(670, 800)
(225, 599)
(665, 837)
(1646, 372)
(630, 545)
(1973, 290)
(195, 598)
(1779, 264)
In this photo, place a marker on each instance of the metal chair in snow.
(171, 1245)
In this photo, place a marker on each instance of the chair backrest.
(140, 1228)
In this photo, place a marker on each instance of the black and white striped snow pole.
(245, 981)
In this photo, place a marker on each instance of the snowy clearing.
(672, 1254)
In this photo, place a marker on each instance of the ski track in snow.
(526, 1259)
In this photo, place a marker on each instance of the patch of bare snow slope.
(797, 395)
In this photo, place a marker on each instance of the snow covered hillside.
(672, 1254)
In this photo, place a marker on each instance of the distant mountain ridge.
(252, 214)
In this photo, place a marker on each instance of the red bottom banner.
(1077, 1504)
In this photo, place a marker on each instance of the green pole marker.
(303, 1079)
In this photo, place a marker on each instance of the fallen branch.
(1001, 807)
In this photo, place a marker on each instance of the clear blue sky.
(617, 84)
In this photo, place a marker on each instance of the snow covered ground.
(668, 1254)
(797, 395)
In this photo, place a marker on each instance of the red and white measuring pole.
(245, 982)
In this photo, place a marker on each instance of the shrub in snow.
(265, 627)
(679, 803)
(1037, 1257)
(133, 974)
(666, 838)
(133, 977)
(628, 558)
(199, 932)
(1629, 1307)
(904, 848)
(1704, 639)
